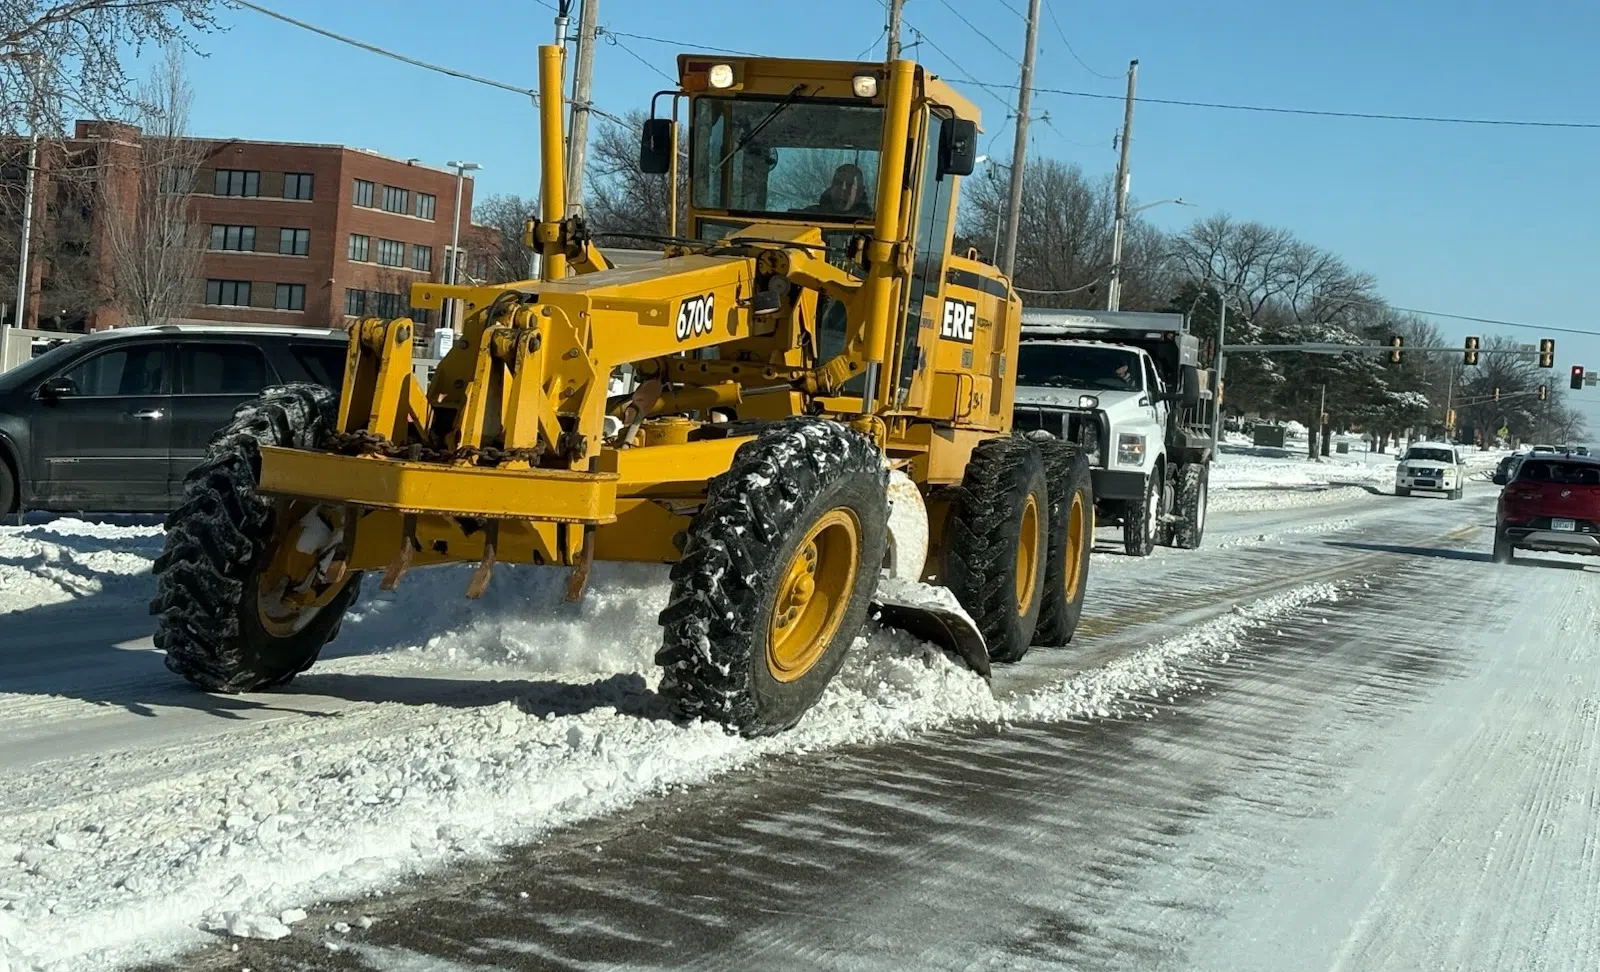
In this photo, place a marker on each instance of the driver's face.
(846, 187)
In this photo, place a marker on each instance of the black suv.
(111, 422)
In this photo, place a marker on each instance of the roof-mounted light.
(864, 85)
(720, 76)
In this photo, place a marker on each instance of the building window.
(358, 247)
(391, 253)
(425, 205)
(421, 315)
(177, 182)
(294, 242)
(297, 185)
(394, 200)
(233, 237)
(421, 257)
(355, 303)
(290, 297)
(390, 306)
(228, 293)
(238, 182)
(363, 193)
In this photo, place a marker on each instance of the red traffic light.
(1577, 376)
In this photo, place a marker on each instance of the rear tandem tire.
(1192, 494)
(218, 543)
(8, 488)
(1071, 533)
(996, 545)
(798, 523)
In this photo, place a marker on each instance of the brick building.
(298, 234)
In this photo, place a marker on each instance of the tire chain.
(362, 442)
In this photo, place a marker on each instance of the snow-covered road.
(138, 812)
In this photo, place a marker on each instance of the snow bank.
(65, 559)
(533, 714)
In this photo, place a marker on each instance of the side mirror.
(655, 146)
(958, 146)
(1500, 479)
(58, 387)
(1189, 386)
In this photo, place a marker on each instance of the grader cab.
(820, 393)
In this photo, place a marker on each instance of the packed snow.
(438, 730)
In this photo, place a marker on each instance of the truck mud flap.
(950, 630)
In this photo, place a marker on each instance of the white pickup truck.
(1127, 388)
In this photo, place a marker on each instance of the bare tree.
(155, 247)
(60, 56)
(508, 215)
(622, 199)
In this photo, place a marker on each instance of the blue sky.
(1492, 222)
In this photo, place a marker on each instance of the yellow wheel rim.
(289, 591)
(1028, 542)
(813, 595)
(1077, 539)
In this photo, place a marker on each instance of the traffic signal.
(1547, 353)
(1450, 419)
(1396, 342)
(1544, 392)
(1577, 377)
(1471, 356)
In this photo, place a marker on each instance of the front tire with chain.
(1066, 573)
(219, 542)
(999, 529)
(778, 571)
(1141, 525)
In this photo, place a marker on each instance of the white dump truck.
(1128, 388)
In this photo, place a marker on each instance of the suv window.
(1571, 473)
(221, 369)
(1432, 455)
(324, 363)
(138, 370)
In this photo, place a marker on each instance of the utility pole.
(1008, 260)
(1216, 400)
(582, 80)
(27, 231)
(453, 309)
(1114, 289)
(894, 29)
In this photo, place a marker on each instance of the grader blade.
(949, 629)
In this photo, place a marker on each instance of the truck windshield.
(1078, 366)
(1431, 455)
(770, 157)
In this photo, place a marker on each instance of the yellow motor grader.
(818, 392)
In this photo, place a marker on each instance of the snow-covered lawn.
(437, 730)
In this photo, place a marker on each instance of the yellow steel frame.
(505, 456)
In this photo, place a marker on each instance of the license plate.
(1565, 525)
(1425, 482)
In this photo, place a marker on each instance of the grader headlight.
(864, 85)
(720, 76)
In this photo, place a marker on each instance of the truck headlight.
(1130, 449)
(1088, 401)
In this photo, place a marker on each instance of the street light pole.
(462, 168)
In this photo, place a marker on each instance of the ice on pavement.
(453, 729)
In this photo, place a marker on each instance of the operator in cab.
(846, 195)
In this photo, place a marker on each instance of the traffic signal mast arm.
(1328, 348)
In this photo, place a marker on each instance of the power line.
(1081, 62)
(373, 48)
(1317, 112)
(976, 30)
(987, 89)
(1020, 15)
(1074, 290)
(612, 40)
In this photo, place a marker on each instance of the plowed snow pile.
(438, 730)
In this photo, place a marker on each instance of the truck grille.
(1083, 427)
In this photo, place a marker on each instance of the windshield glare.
(763, 156)
(1074, 366)
(1431, 455)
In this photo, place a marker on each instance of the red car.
(1552, 503)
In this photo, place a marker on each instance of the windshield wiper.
(781, 107)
